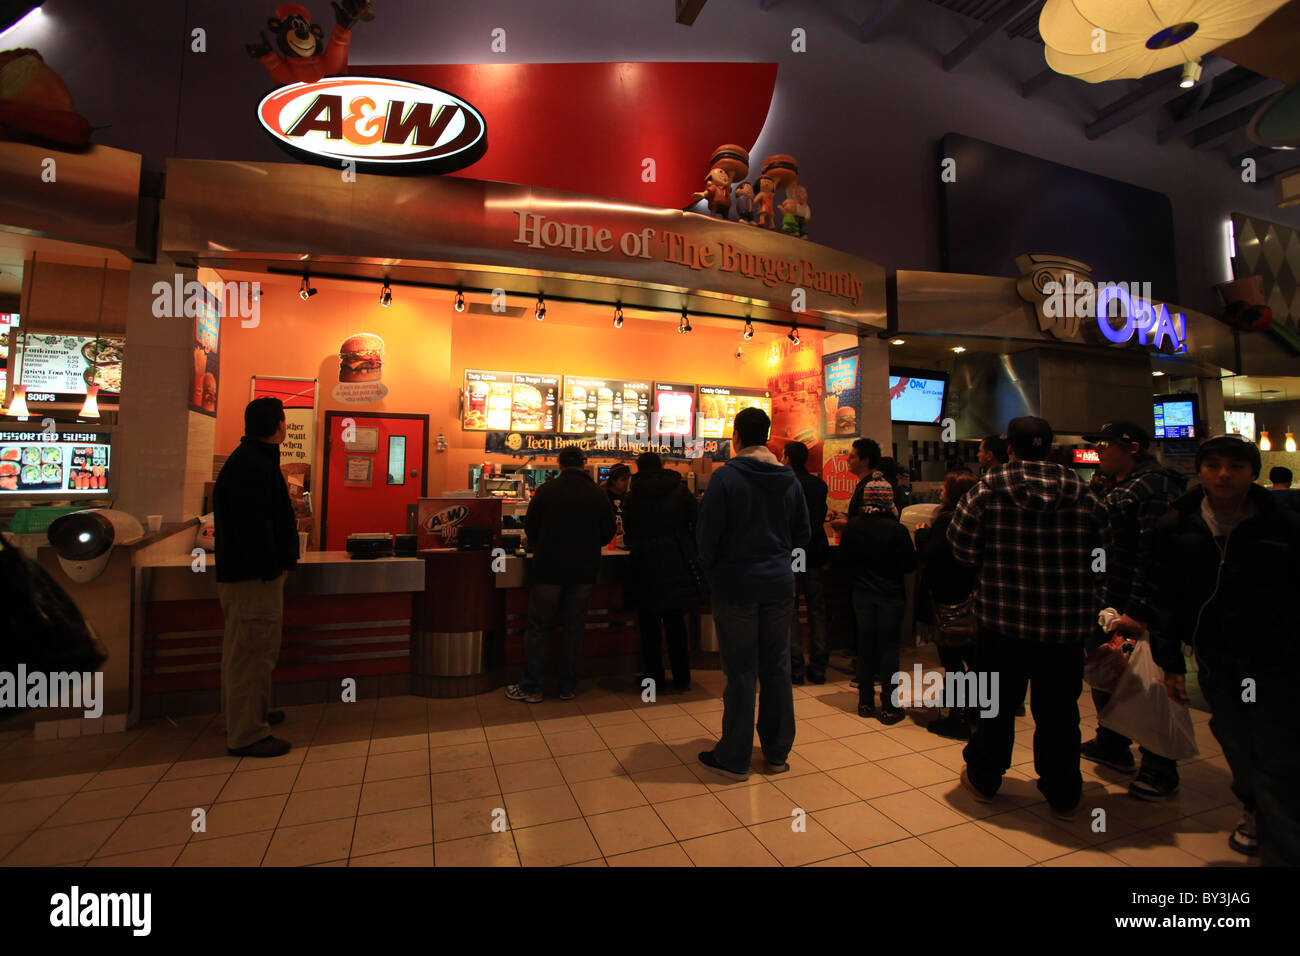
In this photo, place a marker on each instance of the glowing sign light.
(1140, 317)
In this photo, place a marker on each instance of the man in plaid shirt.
(1033, 531)
(1140, 492)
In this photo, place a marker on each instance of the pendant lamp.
(1099, 40)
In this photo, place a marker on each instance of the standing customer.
(1226, 555)
(946, 580)
(879, 551)
(616, 485)
(256, 544)
(1030, 528)
(568, 521)
(1140, 493)
(752, 517)
(993, 452)
(863, 462)
(659, 516)
(1280, 477)
(811, 581)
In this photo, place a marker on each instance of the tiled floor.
(603, 780)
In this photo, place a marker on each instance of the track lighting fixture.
(540, 311)
(685, 324)
(305, 290)
(618, 316)
(1191, 74)
(749, 330)
(460, 301)
(794, 333)
(385, 295)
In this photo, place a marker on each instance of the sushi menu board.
(54, 463)
(719, 406)
(57, 367)
(674, 410)
(602, 406)
(509, 401)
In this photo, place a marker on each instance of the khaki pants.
(249, 651)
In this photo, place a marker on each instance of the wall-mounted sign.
(298, 450)
(376, 122)
(719, 405)
(599, 406)
(1087, 456)
(510, 401)
(54, 464)
(674, 411)
(361, 366)
(358, 470)
(207, 340)
(841, 391)
(57, 367)
(606, 446)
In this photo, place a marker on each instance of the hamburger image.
(361, 358)
(526, 411)
(846, 420)
(209, 392)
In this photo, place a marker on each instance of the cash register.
(371, 545)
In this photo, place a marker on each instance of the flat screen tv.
(916, 395)
(1176, 416)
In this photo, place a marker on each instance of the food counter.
(343, 617)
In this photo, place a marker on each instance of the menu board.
(674, 411)
(54, 463)
(207, 337)
(841, 390)
(719, 406)
(510, 401)
(603, 406)
(57, 367)
(8, 329)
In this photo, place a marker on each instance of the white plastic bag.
(1140, 708)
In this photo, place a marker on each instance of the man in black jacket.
(569, 520)
(256, 543)
(1226, 556)
(812, 580)
(1138, 495)
(659, 517)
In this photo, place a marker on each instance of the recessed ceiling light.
(896, 342)
(959, 349)
(1157, 373)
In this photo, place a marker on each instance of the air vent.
(510, 311)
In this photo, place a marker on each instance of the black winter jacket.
(1234, 605)
(569, 520)
(255, 533)
(814, 494)
(1134, 507)
(945, 579)
(659, 516)
(879, 552)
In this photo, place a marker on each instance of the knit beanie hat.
(878, 496)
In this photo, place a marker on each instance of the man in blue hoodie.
(752, 517)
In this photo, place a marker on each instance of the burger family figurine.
(728, 163)
(783, 171)
(801, 211)
(745, 203)
(789, 222)
(765, 202)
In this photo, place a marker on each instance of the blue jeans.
(754, 640)
(544, 602)
(879, 620)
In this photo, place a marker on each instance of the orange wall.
(429, 345)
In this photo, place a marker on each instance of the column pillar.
(873, 374)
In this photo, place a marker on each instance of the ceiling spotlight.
(385, 295)
(959, 349)
(540, 311)
(618, 316)
(1191, 74)
(685, 324)
(1157, 373)
(793, 335)
(896, 342)
(459, 305)
(305, 291)
(749, 330)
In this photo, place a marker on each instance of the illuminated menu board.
(719, 406)
(54, 464)
(57, 367)
(674, 411)
(510, 401)
(8, 329)
(603, 406)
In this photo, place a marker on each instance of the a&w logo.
(193, 299)
(373, 120)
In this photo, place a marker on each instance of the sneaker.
(1152, 786)
(1068, 813)
(1121, 760)
(778, 767)
(866, 710)
(973, 790)
(890, 715)
(567, 694)
(711, 762)
(266, 747)
(1243, 839)
(954, 726)
(274, 717)
(516, 692)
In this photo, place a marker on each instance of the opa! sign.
(376, 122)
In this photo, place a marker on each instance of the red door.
(374, 468)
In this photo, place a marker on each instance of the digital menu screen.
(8, 329)
(1240, 423)
(510, 401)
(674, 411)
(603, 406)
(719, 405)
(57, 367)
(54, 463)
(916, 395)
(1175, 418)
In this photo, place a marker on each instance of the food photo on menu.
(674, 413)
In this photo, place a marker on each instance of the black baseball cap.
(1030, 437)
(1123, 431)
(1230, 446)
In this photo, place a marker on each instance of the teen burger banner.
(520, 445)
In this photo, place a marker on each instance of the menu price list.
(507, 401)
(719, 406)
(601, 406)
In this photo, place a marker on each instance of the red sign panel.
(440, 521)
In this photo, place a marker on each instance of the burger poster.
(296, 453)
(840, 482)
(510, 402)
(796, 387)
(207, 337)
(842, 389)
(361, 370)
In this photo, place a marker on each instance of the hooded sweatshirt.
(752, 517)
(1030, 528)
